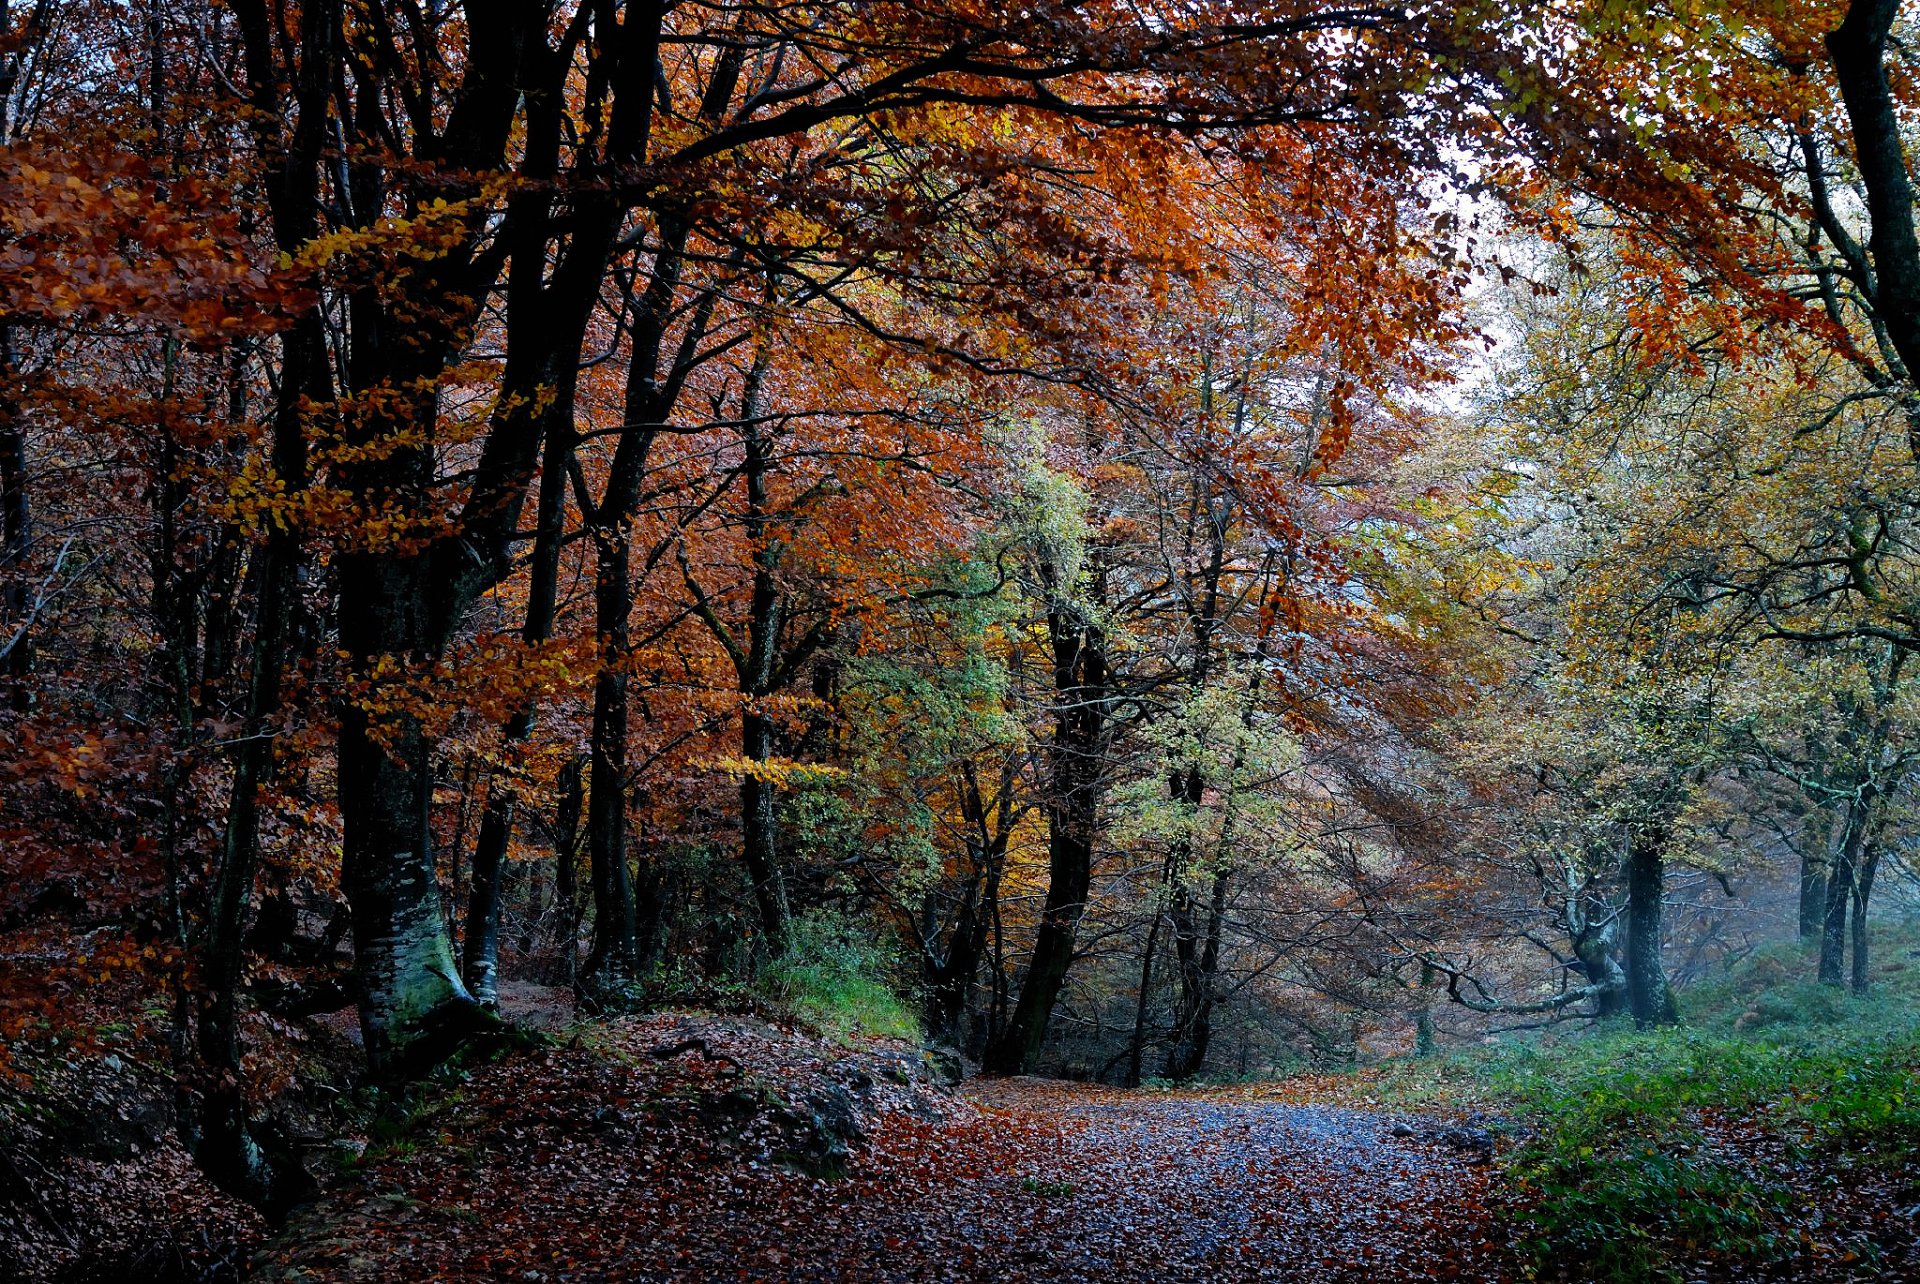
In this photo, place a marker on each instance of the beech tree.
(975, 475)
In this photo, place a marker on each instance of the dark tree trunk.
(1186, 1047)
(1649, 997)
(481, 947)
(222, 586)
(1137, 1045)
(1850, 879)
(1849, 889)
(1833, 932)
(1199, 955)
(763, 666)
(226, 1148)
(401, 598)
(949, 976)
(480, 941)
(1077, 762)
(15, 538)
(1858, 49)
(1813, 896)
(1861, 975)
(566, 854)
(759, 840)
(410, 988)
(16, 528)
(613, 965)
(620, 954)
(765, 618)
(1197, 949)
(1843, 891)
(394, 620)
(1069, 873)
(618, 959)
(225, 1145)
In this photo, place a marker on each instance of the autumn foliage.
(1137, 541)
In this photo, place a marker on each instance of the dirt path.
(1123, 1186)
(624, 1165)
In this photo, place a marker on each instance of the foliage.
(1144, 541)
(1643, 1154)
(836, 978)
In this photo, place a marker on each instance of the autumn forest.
(842, 640)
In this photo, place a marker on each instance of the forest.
(851, 640)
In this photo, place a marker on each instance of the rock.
(1475, 1142)
(833, 1113)
(819, 1128)
(943, 1065)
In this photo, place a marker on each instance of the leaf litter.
(675, 1147)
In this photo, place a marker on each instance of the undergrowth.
(1638, 1150)
(834, 977)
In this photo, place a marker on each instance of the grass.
(1642, 1149)
(834, 978)
(1046, 1189)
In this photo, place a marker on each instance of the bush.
(835, 978)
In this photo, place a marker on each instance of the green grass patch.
(834, 978)
(1640, 1150)
(1642, 1144)
(1046, 1189)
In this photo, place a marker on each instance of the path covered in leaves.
(1123, 1186)
(645, 1158)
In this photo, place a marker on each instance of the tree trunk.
(765, 618)
(566, 829)
(1069, 875)
(1858, 49)
(224, 1144)
(613, 965)
(1841, 878)
(1861, 975)
(226, 1148)
(1193, 1020)
(758, 838)
(618, 957)
(410, 989)
(1649, 997)
(1077, 758)
(16, 528)
(1197, 952)
(949, 978)
(16, 625)
(480, 941)
(1813, 896)
(481, 947)
(1185, 1048)
(1136, 1048)
(1596, 948)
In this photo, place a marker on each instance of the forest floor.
(1775, 1137)
(699, 1148)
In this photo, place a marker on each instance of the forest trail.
(1211, 1186)
(663, 1162)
